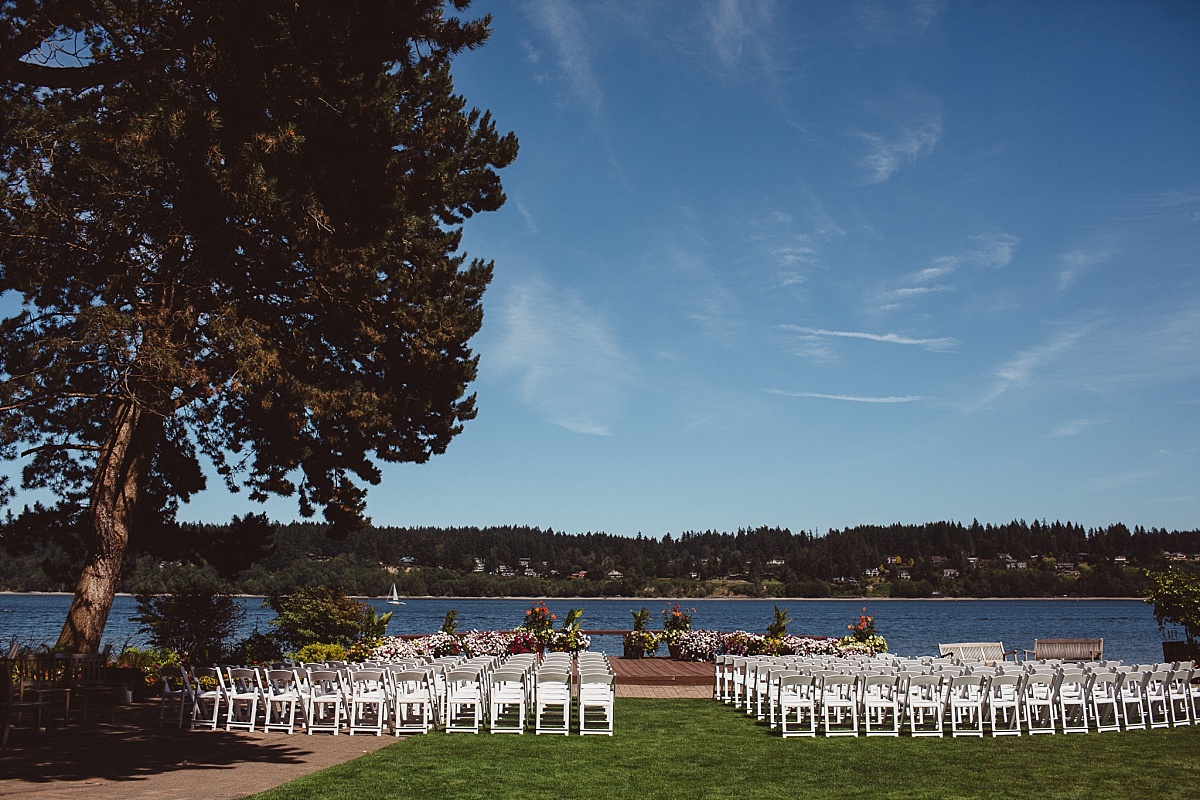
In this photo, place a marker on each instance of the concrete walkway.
(135, 759)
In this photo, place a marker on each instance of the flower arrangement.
(474, 643)
(539, 621)
(702, 645)
(522, 642)
(676, 622)
(486, 643)
(862, 639)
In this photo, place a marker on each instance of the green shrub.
(322, 614)
(321, 652)
(257, 648)
(196, 619)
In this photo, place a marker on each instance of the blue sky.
(825, 264)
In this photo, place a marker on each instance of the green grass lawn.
(700, 749)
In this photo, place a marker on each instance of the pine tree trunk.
(120, 471)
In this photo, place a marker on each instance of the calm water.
(912, 627)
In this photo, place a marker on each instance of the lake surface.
(911, 627)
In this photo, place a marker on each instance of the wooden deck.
(662, 672)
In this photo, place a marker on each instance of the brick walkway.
(135, 759)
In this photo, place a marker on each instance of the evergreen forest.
(950, 559)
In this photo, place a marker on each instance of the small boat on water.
(393, 598)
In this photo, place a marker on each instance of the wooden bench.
(1067, 649)
(977, 651)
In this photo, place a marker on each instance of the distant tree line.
(1017, 559)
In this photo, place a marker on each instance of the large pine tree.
(234, 230)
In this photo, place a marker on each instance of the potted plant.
(1175, 595)
(570, 639)
(676, 623)
(639, 642)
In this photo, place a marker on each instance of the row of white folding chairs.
(314, 697)
(741, 680)
(542, 693)
(1070, 698)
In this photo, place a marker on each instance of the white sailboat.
(393, 598)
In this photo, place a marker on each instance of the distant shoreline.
(530, 598)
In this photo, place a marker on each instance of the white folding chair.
(1133, 699)
(1179, 696)
(965, 695)
(176, 693)
(368, 701)
(880, 705)
(1037, 701)
(243, 695)
(1104, 698)
(1004, 704)
(552, 705)
(412, 706)
(281, 700)
(797, 703)
(924, 705)
(207, 696)
(1072, 701)
(839, 705)
(507, 701)
(324, 701)
(464, 701)
(597, 703)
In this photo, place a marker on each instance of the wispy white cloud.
(885, 20)
(849, 398)
(1076, 264)
(1074, 427)
(1017, 371)
(735, 27)
(887, 154)
(994, 250)
(941, 343)
(563, 357)
(565, 25)
(988, 250)
(526, 215)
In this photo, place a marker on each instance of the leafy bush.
(1176, 598)
(320, 652)
(257, 648)
(196, 620)
(148, 660)
(323, 614)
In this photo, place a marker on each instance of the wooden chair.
(87, 678)
(1066, 650)
(44, 678)
(988, 652)
(13, 708)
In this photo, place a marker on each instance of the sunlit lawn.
(700, 749)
